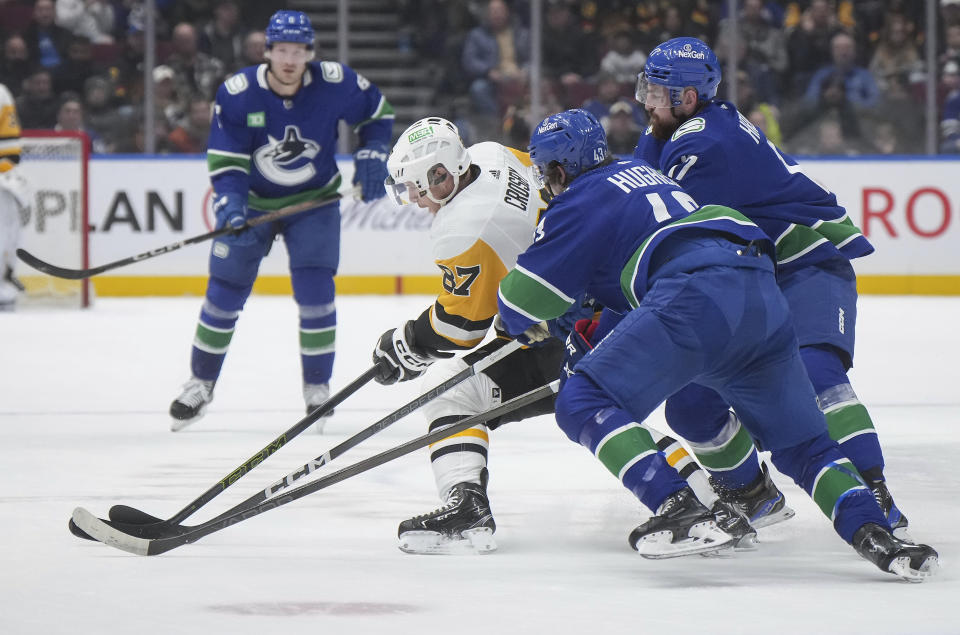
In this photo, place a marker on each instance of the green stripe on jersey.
(384, 111)
(317, 341)
(799, 240)
(217, 163)
(624, 447)
(704, 214)
(726, 456)
(849, 421)
(271, 204)
(835, 480)
(212, 340)
(532, 297)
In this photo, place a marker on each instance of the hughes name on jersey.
(476, 239)
(601, 235)
(281, 150)
(720, 158)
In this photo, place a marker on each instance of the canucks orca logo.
(287, 161)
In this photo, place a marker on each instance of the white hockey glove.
(398, 357)
(533, 336)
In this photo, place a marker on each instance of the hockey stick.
(149, 526)
(124, 537)
(80, 274)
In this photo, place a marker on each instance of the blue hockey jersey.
(280, 150)
(720, 158)
(599, 237)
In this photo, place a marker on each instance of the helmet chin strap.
(443, 201)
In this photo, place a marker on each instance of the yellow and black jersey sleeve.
(9, 136)
(464, 310)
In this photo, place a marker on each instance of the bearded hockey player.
(717, 155)
(272, 144)
(487, 204)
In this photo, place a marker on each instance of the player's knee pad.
(826, 366)
(224, 299)
(471, 396)
(697, 413)
(577, 404)
(312, 286)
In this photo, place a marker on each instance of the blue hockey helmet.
(572, 138)
(675, 65)
(290, 26)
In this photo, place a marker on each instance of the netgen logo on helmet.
(416, 135)
(687, 52)
(546, 126)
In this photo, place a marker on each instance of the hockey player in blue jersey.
(272, 144)
(718, 156)
(700, 302)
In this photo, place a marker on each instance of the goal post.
(55, 223)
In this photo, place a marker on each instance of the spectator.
(494, 58)
(195, 72)
(76, 68)
(859, 84)
(621, 128)
(951, 44)
(103, 117)
(92, 19)
(829, 141)
(950, 122)
(169, 101)
(15, 63)
(568, 53)
(803, 123)
(46, 41)
(765, 45)
(37, 106)
(763, 79)
(896, 54)
(624, 61)
(128, 69)
(762, 114)
(254, 45)
(220, 37)
(808, 44)
(609, 92)
(191, 136)
(70, 118)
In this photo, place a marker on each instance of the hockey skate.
(463, 525)
(191, 404)
(898, 522)
(911, 562)
(315, 395)
(761, 502)
(681, 527)
(732, 521)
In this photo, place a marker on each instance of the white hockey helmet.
(427, 144)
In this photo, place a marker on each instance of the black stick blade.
(53, 270)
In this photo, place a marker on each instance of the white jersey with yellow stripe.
(476, 240)
(9, 131)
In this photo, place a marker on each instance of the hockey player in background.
(487, 204)
(13, 194)
(719, 157)
(272, 144)
(700, 301)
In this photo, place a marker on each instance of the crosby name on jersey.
(476, 240)
(280, 151)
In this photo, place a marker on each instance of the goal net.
(55, 222)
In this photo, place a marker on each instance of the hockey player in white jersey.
(487, 204)
(13, 192)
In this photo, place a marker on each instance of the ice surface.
(83, 401)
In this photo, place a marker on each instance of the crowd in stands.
(79, 65)
(818, 76)
(837, 77)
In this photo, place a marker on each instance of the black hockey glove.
(398, 358)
